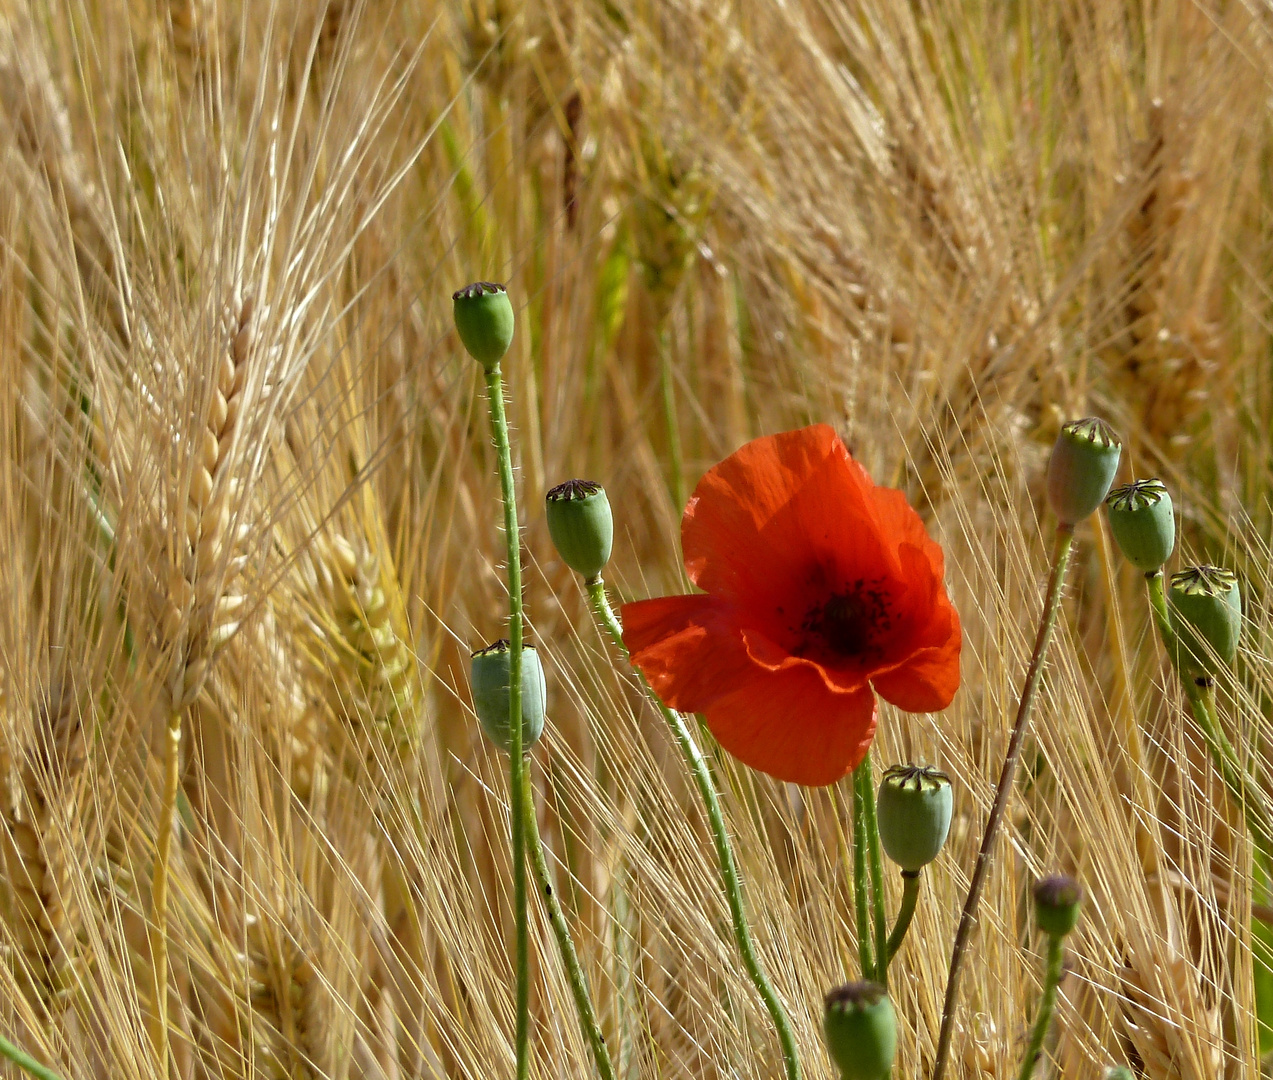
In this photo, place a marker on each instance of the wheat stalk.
(202, 613)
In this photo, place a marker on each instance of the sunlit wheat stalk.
(202, 612)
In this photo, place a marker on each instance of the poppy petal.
(790, 725)
(773, 657)
(775, 521)
(690, 648)
(898, 518)
(925, 673)
(927, 681)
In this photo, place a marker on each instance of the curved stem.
(1243, 790)
(1250, 801)
(25, 1061)
(516, 760)
(569, 958)
(1158, 605)
(861, 884)
(720, 837)
(158, 927)
(880, 919)
(1051, 605)
(910, 896)
(1047, 1005)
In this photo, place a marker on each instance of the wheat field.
(245, 472)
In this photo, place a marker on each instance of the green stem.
(669, 416)
(1051, 606)
(877, 870)
(1158, 605)
(1245, 792)
(861, 883)
(1250, 801)
(1047, 1005)
(516, 759)
(910, 896)
(720, 837)
(23, 1060)
(569, 958)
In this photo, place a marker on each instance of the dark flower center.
(853, 622)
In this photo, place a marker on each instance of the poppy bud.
(1081, 469)
(581, 526)
(1057, 901)
(484, 320)
(1206, 614)
(488, 675)
(1120, 1072)
(861, 1030)
(1143, 525)
(913, 810)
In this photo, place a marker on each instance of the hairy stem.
(910, 896)
(25, 1061)
(1047, 1006)
(158, 927)
(1051, 606)
(720, 837)
(1243, 790)
(569, 958)
(861, 883)
(876, 866)
(516, 759)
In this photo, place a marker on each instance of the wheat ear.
(39, 852)
(270, 1005)
(201, 616)
(1169, 352)
(375, 677)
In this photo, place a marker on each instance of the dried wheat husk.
(42, 845)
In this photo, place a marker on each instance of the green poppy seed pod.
(1120, 1072)
(580, 523)
(861, 1030)
(1057, 901)
(1143, 525)
(1205, 607)
(913, 810)
(488, 675)
(1081, 469)
(484, 320)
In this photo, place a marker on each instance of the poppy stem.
(861, 883)
(877, 872)
(1202, 702)
(516, 759)
(569, 958)
(1047, 1005)
(910, 896)
(1250, 801)
(1051, 606)
(25, 1061)
(720, 837)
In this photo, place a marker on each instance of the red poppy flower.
(821, 590)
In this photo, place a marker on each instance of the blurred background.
(245, 459)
